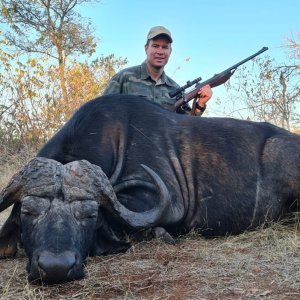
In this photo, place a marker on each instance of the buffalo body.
(123, 168)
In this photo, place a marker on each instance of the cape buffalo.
(123, 168)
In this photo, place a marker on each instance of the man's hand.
(205, 93)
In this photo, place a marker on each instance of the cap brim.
(160, 34)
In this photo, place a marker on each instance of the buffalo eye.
(88, 216)
(34, 206)
(85, 209)
(26, 211)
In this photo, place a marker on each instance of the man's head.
(159, 31)
(158, 47)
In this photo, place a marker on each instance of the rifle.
(216, 80)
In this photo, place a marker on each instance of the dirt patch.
(263, 264)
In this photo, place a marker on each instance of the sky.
(214, 35)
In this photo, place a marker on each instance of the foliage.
(19, 85)
(85, 81)
(270, 92)
(293, 44)
(48, 27)
(40, 83)
(43, 26)
(33, 107)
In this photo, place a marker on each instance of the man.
(149, 78)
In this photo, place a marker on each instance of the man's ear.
(10, 233)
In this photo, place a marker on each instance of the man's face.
(158, 51)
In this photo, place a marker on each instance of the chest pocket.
(166, 101)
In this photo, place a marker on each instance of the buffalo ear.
(105, 246)
(10, 233)
(107, 240)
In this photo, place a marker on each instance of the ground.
(263, 264)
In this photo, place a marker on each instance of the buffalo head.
(62, 213)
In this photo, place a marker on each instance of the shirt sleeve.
(114, 86)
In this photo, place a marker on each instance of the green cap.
(159, 30)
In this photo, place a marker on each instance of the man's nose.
(160, 51)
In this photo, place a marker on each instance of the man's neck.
(155, 73)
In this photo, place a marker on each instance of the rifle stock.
(214, 81)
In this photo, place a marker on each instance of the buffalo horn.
(147, 218)
(11, 193)
(36, 175)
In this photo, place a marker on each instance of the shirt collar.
(145, 75)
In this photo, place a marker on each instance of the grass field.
(262, 264)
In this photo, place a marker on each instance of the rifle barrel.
(214, 81)
(263, 49)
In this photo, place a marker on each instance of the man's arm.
(114, 86)
(199, 106)
(205, 93)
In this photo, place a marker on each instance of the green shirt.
(137, 81)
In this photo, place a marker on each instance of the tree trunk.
(63, 85)
(285, 114)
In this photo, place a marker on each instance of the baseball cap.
(158, 30)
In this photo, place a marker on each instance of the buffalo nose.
(56, 267)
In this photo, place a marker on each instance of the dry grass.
(11, 162)
(263, 264)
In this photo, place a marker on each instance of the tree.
(21, 97)
(51, 27)
(41, 82)
(293, 44)
(31, 108)
(270, 92)
(85, 81)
